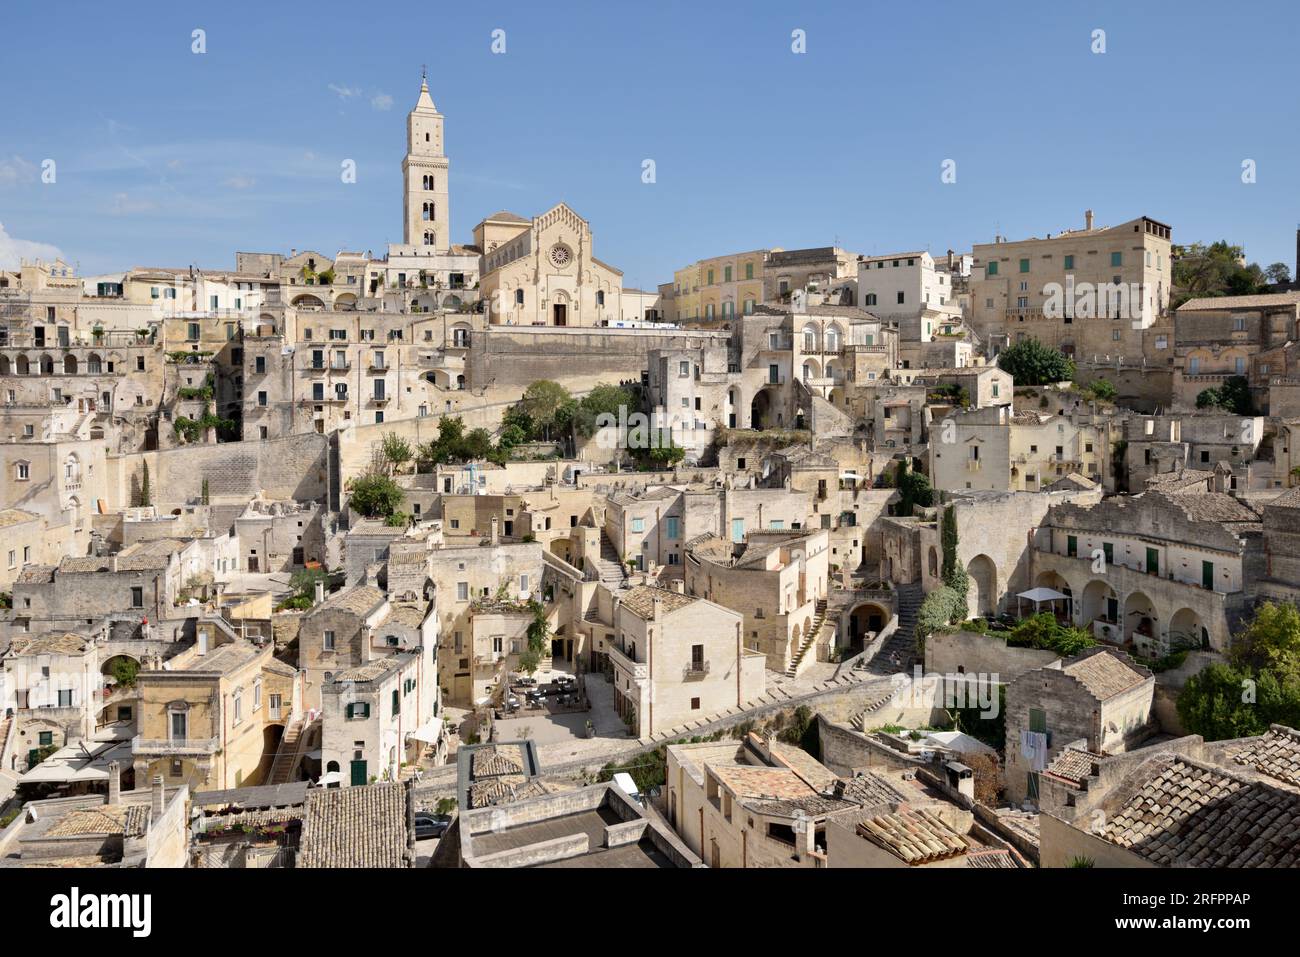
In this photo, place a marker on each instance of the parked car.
(430, 825)
(524, 682)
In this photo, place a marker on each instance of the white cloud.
(241, 182)
(14, 251)
(345, 92)
(15, 170)
(382, 102)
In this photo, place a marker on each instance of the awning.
(330, 777)
(1037, 595)
(72, 764)
(430, 732)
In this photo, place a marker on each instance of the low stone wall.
(971, 653)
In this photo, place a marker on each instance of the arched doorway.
(1101, 606)
(866, 620)
(983, 596)
(1186, 630)
(1139, 623)
(760, 410)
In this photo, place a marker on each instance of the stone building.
(1090, 291)
(1157, 445)
(778, 580)
(1217, 338)
(379, 716)
(678, 659)
(543, 272)
(52, 689)
(1000, 449)
(759, 803)
(1159, 571)
(214, 717)
(1099, 702)
(1182, 803)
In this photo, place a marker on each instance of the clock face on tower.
(561, 256)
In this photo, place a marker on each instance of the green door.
(1072, 546)
(1153, 562)
(1207, 575)
(358, 773)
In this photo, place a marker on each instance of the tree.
(146, 494)
(1103, 390)
(1216, 704)
(302, 588)
(1258, 687)
(1032, 363)
(955, 576)
(1219, 269)
(1279, 274)
(543, 402)
(374, 495)
(1232, 396)
(395, 450)
(914, 490)
(124, 671)
(666, 456)
(1271, 642)
(476, 445)
(604, 399)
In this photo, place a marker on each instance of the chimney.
(658, 605)
(495, 537)
(114, 783)
(159, 797)
(950, 260)
(320, 591)
(1087, 220)
(203, 640)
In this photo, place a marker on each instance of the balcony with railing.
(635, 669)
(174, 746)
(696, 671)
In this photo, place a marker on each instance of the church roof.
(425, 102)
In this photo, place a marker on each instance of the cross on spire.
(424, 72)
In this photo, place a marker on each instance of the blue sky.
(167, 158)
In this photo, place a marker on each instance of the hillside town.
(462, 553)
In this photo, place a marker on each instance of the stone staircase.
(289, 754)
(862, 720)
(809, 640)
(612, 571)
(8, 779)
(899, 650)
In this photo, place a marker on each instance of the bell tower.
(426, 208)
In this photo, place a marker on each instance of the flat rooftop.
(591, 823)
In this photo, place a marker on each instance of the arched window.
(94, 364)
(833, 339)
(871, 299)
(428, 239)
(47, 365)
(809, 339)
